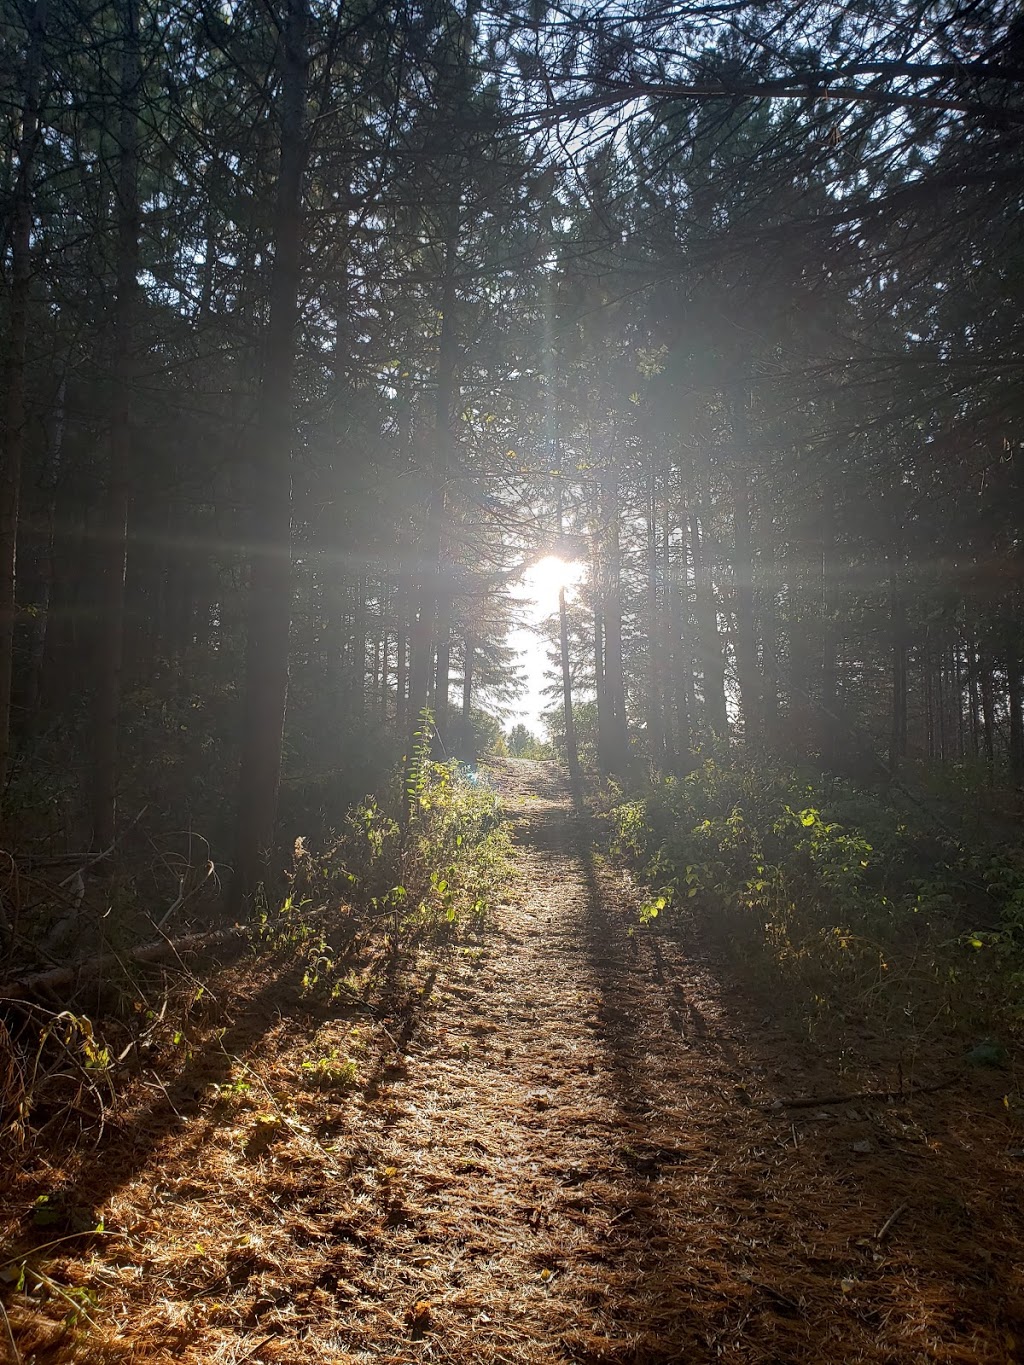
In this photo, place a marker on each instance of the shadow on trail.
(756, 1234)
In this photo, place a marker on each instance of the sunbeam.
(541, 583)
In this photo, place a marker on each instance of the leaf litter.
(558, 1143)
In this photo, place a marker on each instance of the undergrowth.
(428, 856)
(851, 900)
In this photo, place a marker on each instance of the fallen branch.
(56, 977)
(186, 892)
(865, 1096)
(889, 1223)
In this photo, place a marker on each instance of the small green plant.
(331, 1072)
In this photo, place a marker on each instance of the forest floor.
(557, 1141)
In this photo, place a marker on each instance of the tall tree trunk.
(802, 671)
(1015, 708)
(15, 364)
(572, 752)
(747, 670)
(600, 687)
(401, 598)
(682, 650)
(768, 612)
(988, 709)
(829, 728)
(469, 659)
(442, 679)
(617, 740)
(974, 695)
(898, 648)
(716, 716)
(666, 627)
(941, 694)
(421, 674)
(355, 681)
(655, 634)
(114, 547)
(48, 568)
(270, 580)
(928, 678)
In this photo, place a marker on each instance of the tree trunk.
(617, 740)
(682, 650)
(15, 368)
(801, 677)
(48, 567)
(716, 715)
(974, 695)
(442, 678)
(269, 604)
(1015, 708)
(655, 634)
(355, 681)
(572, 752)
(743, 577)
(769, 634)
(600, 689)
(401, 666)
(829, 702)
(468, 739)
(114, 547)
(898, 647)
(426, 620)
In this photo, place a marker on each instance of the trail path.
(562, 1150)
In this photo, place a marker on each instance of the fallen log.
(55, 978)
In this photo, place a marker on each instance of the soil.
(566, 1139)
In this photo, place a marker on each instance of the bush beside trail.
(849, 898)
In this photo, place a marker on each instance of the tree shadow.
(208, 1056)
(769, 1234)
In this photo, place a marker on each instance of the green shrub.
(431, 851)
(829, 885)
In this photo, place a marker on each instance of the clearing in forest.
(558, 1141)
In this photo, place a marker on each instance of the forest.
(322, 327)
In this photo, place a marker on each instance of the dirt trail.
(562, 1150)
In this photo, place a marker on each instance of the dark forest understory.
(321, 328)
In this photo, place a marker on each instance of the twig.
(307, 1139)
(814, 1102)
(261, 1343)
(886, 1227)
(99, 857)
(78, 1309)
(96, 858)
(185, 893)
(46, 1246)
(15, 1353)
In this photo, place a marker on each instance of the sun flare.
(545, 579)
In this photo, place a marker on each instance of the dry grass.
(552, 1144)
